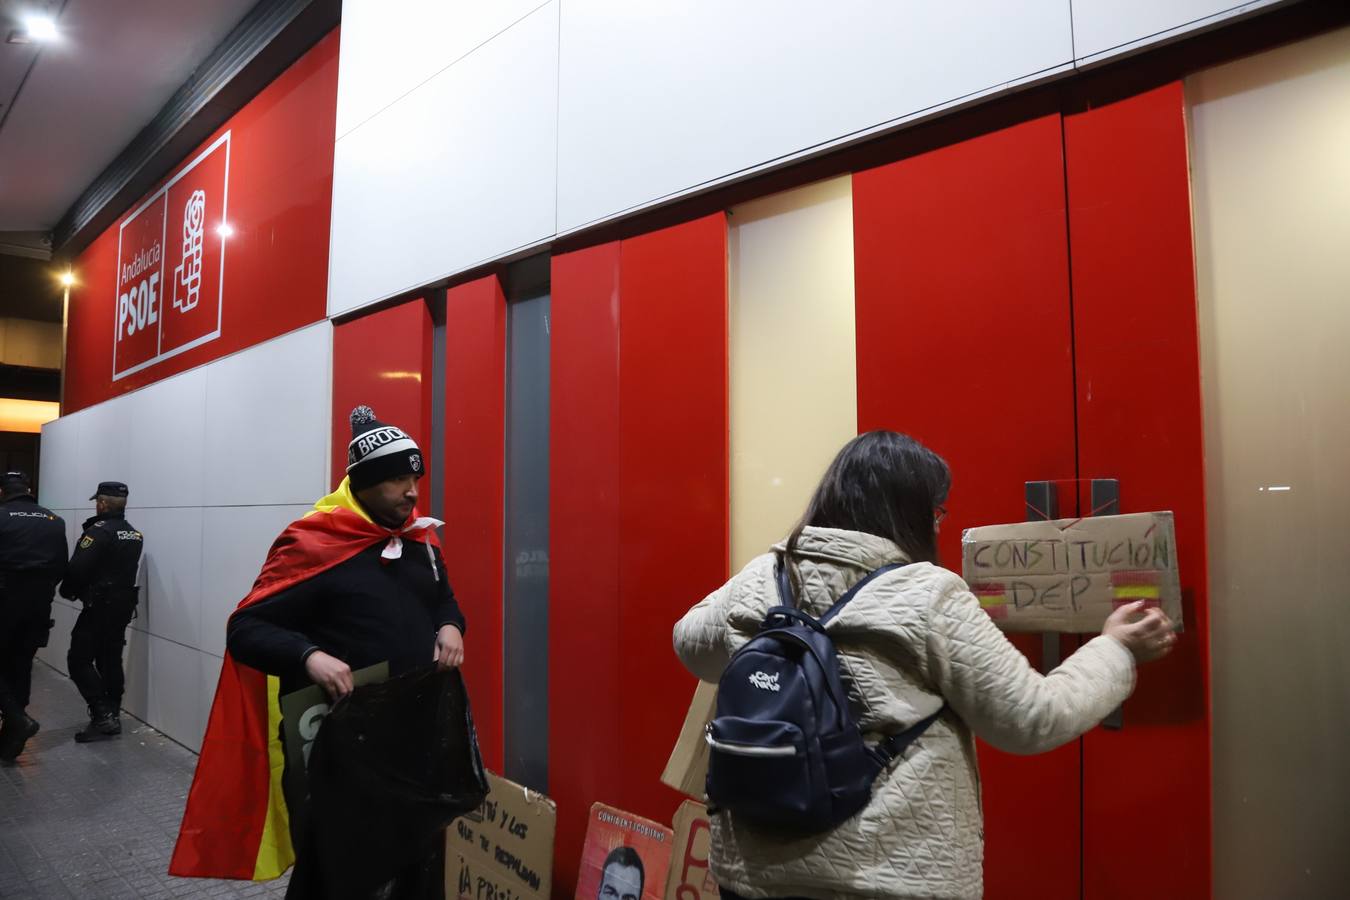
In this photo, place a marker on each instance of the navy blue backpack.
(786, 753)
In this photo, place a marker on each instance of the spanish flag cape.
(236, 823)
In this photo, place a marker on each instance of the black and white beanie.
(379, 451)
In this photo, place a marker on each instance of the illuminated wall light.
(41, 28)
(26, 416)
(67, 278)
(225, 230)
(401, 376)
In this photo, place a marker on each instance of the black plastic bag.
(392, 766)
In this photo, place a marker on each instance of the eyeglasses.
(939, 514)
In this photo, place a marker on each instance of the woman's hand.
(449, 648)
(1148, 635)
(330, 673)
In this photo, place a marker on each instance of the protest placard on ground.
(503, 850)
(630, 852)
(690, 877)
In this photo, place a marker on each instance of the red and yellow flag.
(236, 823)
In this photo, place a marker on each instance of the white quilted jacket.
(913, 637)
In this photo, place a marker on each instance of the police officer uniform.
(102, 574)
(32, 562)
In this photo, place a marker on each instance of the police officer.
(32, 561)
(102, 574)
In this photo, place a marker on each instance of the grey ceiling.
(86, 97)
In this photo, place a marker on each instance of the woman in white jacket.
(913, 639)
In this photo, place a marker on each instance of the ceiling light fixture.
(41, 28)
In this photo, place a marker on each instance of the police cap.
(110, 489)
(11, 482)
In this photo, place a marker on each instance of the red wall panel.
(275, 269)
(1139, 413)
(638, 517)
(473, 464)
(963, 320)
(383, 360)
(585, 724)
(673, 482)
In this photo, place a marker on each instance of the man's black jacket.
(363, 611)
(107, 558)
(32, 545)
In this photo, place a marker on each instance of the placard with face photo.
(625, 857)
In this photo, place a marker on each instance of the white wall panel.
(171, 572)
(252, 428)
(1107, 27)
(236, 539)
(73, 518)
(136, 666)
(56, 479)
(175, 692)
(459, 171)
(104, 447)
(167, 444)
(468, 132)
(58, 643)
(390, 47)
(658, 97)
(267, 421)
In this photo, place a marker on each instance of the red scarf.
(236, 824)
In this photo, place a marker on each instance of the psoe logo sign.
(171, 265)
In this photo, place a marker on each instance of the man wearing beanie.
(358, 581)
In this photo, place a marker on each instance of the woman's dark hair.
(883, 483)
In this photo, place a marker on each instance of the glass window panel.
(526, 556)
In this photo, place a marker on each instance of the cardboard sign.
(1070, 574)
(687, 769)
(624, 855)
(690, 877)
(503, 850)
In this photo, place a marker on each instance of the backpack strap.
(786, 598)
(780, 571)
(889, 749)
(853, 591)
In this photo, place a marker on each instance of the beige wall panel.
(793, 372)
(1271, 162)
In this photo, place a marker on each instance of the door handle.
(1042, 502)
